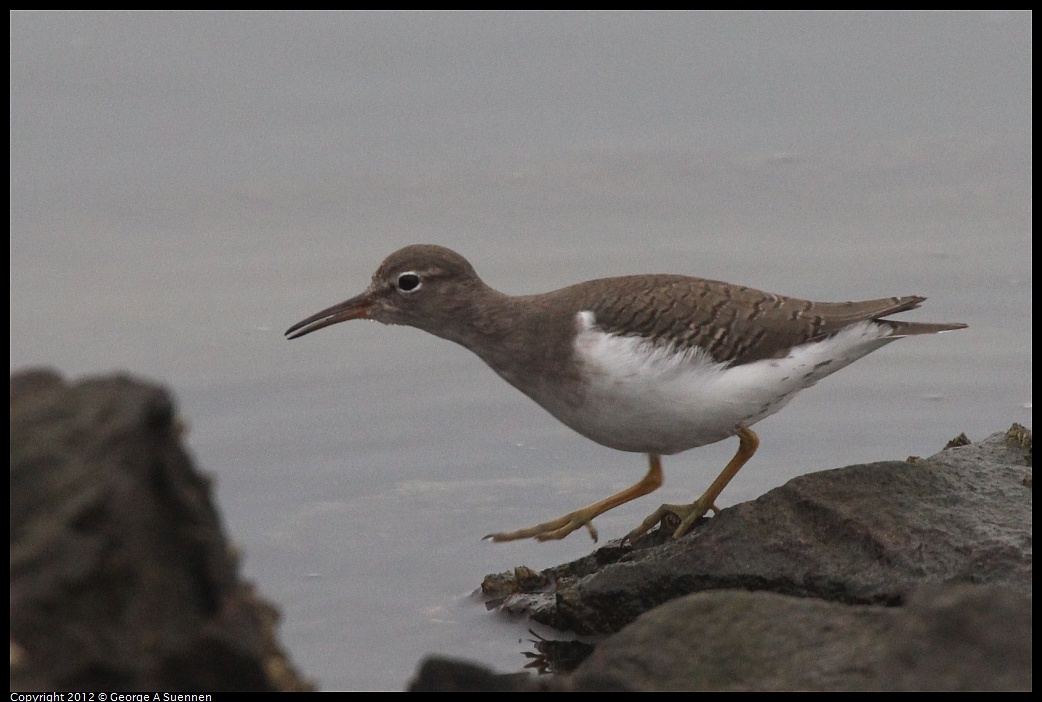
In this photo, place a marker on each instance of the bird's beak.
(355, 308)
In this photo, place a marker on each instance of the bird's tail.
(914, 328)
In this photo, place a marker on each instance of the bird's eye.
(409, 282)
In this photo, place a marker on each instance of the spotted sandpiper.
(654, 364)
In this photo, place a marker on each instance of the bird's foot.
(687, 515)
(553, 529)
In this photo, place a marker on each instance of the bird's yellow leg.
(748, 442)
(563, 526)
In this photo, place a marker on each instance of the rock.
(438, 674)
(962, 637)
(865, 534)
(121, 577)
(889, 576)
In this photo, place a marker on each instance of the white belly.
(638, 396)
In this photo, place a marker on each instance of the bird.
(654, 364)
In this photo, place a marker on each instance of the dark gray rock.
(889, 576)
(121, 578)
(865, 534)
(959, 638)
(955, 637)
(437, 674)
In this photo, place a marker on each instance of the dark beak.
(355, 308)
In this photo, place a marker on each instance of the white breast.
(646, 397)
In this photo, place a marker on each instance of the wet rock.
(865, 534)
(908, 575)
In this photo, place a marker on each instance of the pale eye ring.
(409, 282)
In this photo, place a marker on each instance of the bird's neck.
(518, 337)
